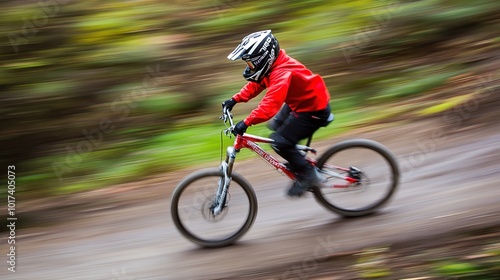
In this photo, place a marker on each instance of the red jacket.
(290, 82)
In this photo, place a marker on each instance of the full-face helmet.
(259, 50)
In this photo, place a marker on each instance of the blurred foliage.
(95, 93)
(483, 265)
(372, 263)
(461, 258)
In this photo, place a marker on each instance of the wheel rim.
(196, 218)
(377, 179)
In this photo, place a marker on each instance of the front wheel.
(192, 208)
(362, 176)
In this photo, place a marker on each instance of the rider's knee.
(280, 142)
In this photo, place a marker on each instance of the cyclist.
(296, 100)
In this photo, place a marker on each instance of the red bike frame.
(249, 141)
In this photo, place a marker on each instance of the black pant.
(289, 128)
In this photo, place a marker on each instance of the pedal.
(306, 149)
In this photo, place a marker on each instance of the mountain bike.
(216, 207)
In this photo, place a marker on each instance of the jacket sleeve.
(249, 91)
(273, 100)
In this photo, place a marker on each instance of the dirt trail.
(449, 183)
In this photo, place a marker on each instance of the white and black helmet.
(259, 50)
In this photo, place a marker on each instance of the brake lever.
(228, 132)
(226, 114)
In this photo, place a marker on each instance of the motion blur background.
(98, 93)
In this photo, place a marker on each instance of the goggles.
(250, 64)
(249, 61)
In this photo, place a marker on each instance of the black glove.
(229, 104)
(240, 128)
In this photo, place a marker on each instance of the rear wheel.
(192, 204)
(375, 169)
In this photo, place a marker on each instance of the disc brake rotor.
(208, 207)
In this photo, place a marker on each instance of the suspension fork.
(230, 158)
(227, 169)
